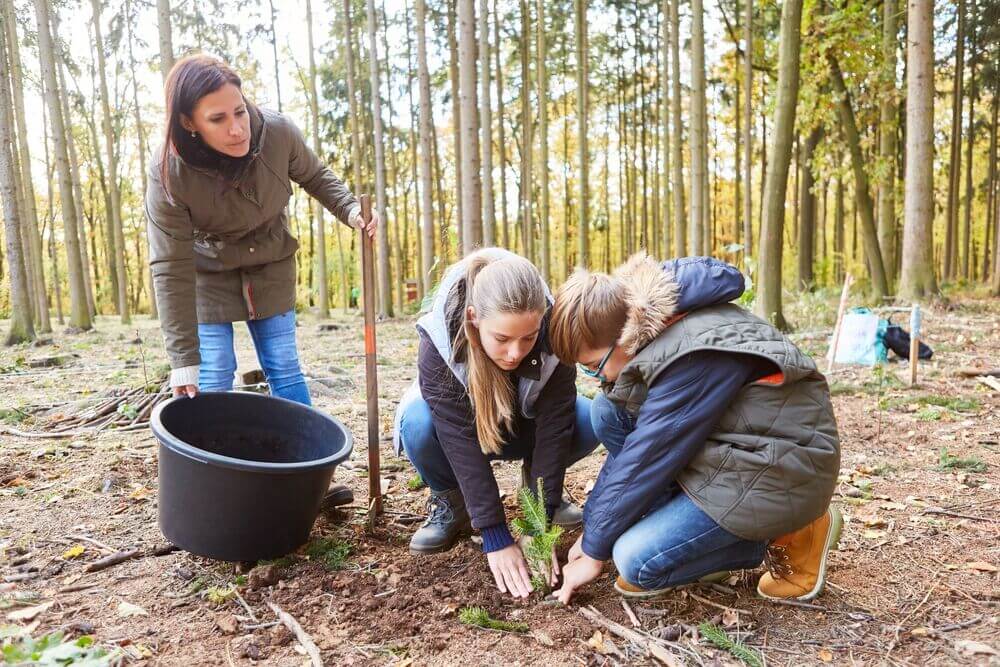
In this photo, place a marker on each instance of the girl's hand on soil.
(358, 223)
(510, 571)
(580, 572)
(188, 390)
(552, 573)
(575, 551)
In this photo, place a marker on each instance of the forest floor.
(915, 579)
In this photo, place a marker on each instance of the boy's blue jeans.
(274, 340)
(422, 447)
(675, 543)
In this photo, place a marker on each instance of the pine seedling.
(738, 650)
(544, 538)
(480, 618)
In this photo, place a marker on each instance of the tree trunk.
(992, 215)
(384, 270)
(698, 112)
(80, 315)
(526, 140)
(274, 51)
(116, 206)
(74, 164)
(887, 139)
(768, 303)
(747, 134)
(398, 258)
(486, 124)
(737, 135)
(677, 138)
(141, 136)
(321, 268)
(971, 139)
(166, 38)
(955, 163)
(917, 277)
(502, 145)
(426, 121)
(582, 108)
(807, 210)
(29, 216)
(22, 328)
(665, 129)
(838, 230)
(456, 123)
(862, 195)
(542, 78)
(471, 185)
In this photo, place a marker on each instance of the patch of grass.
(282, 563)
(13, 416)
(54, 650)
(929, 415)
(844, 388)
(415, 483)
(883, 470)
(218, 595)
(957, 404)
(948, 461)
(738, 650)
(480, 618)
(330, 552)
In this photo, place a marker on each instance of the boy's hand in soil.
(510, 571)
(579, 572)
(575, 551)
(552, 572)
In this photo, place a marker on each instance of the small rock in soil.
(670, 633)
(264, 576)
(227, 623)
(280, 635)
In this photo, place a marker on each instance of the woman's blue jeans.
(274, 340)
(422, 447)
(675, 543)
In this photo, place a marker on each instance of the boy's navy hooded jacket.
(681, 393)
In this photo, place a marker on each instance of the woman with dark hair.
(219, 245)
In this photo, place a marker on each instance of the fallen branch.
(973, 372)
(723, 607)
(629, 635)
(112, 560)
(934, 510)
(631, 614)
(301, 635)
(990, 382)
(800, 605)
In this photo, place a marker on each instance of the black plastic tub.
(242, 475)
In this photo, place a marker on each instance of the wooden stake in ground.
(914, 342)
(371, 372)
(840, 318)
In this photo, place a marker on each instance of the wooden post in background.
(371, 373)
(914, 342)
(832, 355)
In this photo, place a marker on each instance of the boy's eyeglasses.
(596, 372)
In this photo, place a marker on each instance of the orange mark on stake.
(369, 339)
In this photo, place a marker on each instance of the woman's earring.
(194, 135)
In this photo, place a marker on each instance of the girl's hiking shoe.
(796, 562)
(447, 520)
(338, 495)
(636, 593)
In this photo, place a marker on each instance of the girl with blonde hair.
(489, 388)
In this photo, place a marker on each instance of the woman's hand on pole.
(358, 223)
(510, 571)
(188, 390)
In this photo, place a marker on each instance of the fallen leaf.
(543, 638)
(874, 534)
(730, 618)
(74, 551)
(140, 492)
(826, 655)
(875, 522)
(980, 566)
(127, 610)
(921, 632)
(596, 642)
(969, 648)
(29, 613)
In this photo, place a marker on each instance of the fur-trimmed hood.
(659, 292)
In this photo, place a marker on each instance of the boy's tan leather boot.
(796, 562)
